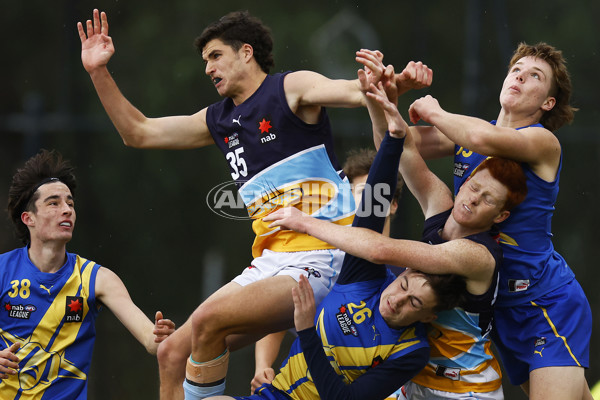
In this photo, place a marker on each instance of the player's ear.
(502, 216)
(247, 52)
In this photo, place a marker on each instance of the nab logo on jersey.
(74, 309)
(266, 133)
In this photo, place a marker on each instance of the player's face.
(478, 204)
(408, 299)
(527, 85)
(358, 186)
(54, 218)
(224, 67)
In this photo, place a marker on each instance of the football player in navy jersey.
(274, 132)
(51, 297)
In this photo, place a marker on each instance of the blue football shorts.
(551, 331)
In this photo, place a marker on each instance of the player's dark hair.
(44, 167)
(450, 290)
(562, 112)
(237, 28)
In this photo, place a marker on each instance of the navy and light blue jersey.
(461, 359)
(52, 315)
(276, 159)
(531, 266)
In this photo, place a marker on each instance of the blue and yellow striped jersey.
(52, 315)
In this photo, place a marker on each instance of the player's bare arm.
(111, 291)
(136, 130)
(536, 146)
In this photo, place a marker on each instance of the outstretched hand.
(162, 327)
(396, 124)
(96, 46)
(9, 362)
(304, 305)
(373, 70)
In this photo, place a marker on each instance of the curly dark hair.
(44, 167)
(237, 28)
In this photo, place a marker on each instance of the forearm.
(375, 383)
(432, 194)
(378, 121)
(127, 119)
(267, 349)
(469, 132)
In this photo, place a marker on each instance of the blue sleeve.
(377, 383)
(374, 206)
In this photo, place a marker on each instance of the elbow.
(133, 138)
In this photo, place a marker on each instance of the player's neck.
(47, 257)
(250, 87)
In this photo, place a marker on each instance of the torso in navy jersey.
(461, 358)
(531, 266)
(277, 159)
(53, 316)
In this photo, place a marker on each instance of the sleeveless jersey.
(531, 266)
(461, 359)
(276, 159)
(355, 338)
(52, 315)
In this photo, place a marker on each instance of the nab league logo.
(74, 309)
(460, 169)
(19, 311)
(345, 322)
(232, 140)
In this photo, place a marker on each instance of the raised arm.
(136, 130)
(534, 145)
(111, 291)
(432, 194)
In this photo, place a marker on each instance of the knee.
(170, 353)
(207, 320)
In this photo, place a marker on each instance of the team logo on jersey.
(237, 121)
(460, 168)
(19, 311)
(345, 322)
(74, 309)
(266, 131)
(518, 285)
(312, 272)
(232, 140)
(450, 373)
